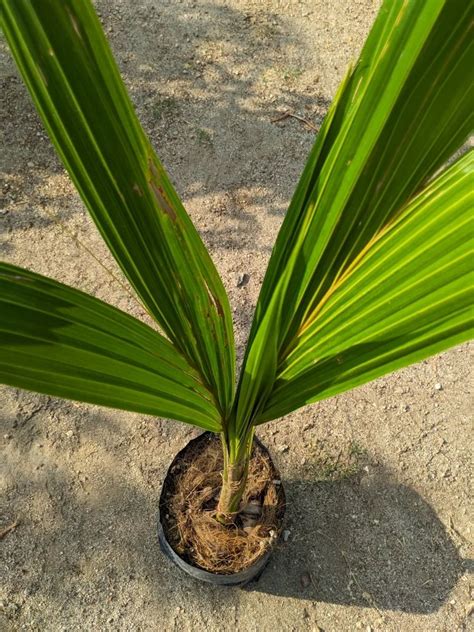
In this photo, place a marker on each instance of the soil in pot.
(189, 500)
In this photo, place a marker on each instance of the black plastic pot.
(236, 579)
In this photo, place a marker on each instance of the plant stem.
(234, 477)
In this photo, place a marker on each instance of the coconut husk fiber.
(189, 501)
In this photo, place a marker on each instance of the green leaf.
(67, 65)
(261, 359)
(400, 114)
(408, 295)
(62, 342)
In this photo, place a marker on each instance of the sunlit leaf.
(62, 342)
(67, 65)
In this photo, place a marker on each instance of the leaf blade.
(69, 69)
(65, 343)
(408, 296)
(403, 111)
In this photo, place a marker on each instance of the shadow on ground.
(366, 542)
(89, 517)
(210, 121)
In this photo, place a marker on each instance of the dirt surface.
(377, 480)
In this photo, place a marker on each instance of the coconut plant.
(369, 272)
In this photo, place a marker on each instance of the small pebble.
(438, 386)
(283, 448)
(286, 535)
(305, 580)
(243, 279)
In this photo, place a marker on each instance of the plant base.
(189, 531)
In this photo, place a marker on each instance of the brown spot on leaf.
(219, 307)
(158, 191)
(215, 300)
(162, 201)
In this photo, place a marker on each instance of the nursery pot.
(239, 578)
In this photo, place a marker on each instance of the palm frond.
(399, 115)
(68, 67)
(59, 341)
(407, 296)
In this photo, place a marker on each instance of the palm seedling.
(370, 270)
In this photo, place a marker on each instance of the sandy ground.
(377, 480)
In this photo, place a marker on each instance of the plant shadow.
(87, 499)
(86, 506)
(367, 541)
